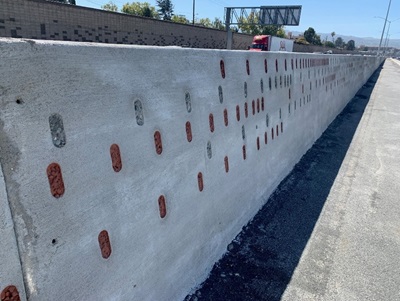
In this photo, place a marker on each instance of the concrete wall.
(38, 19)
(322, 49)
(129, 169)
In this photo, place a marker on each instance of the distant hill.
(368, 41)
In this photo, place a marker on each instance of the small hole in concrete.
(19, 101)
(54, 241)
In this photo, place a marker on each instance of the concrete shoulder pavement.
(361, 214)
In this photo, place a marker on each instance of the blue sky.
(351, 18)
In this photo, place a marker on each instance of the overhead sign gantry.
(263, 15)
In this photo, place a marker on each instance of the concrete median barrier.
(128, 170)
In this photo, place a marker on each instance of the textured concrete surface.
(331, 230)
(129, 169)
(10, 266)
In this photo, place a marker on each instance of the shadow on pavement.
(261, 260)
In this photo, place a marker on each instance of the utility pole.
(384, 26)
(194, 8)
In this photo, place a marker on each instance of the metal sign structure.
(263, 15)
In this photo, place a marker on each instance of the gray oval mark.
(139, 112)
(243, 132)
(209, 150)
(262, 85)
(57, 130)
(245, 89)
(220, 94)
(188, 101)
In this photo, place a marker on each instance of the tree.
(351, 45)
(301, 40)
(339, 43)
(333, 34)
(110, 6)
(206, 22)
(143, 9)
(250, 26)
(218, 24)
(311, 36)
(166, 9)
(329, 44)
(179, 19)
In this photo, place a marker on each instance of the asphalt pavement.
(331, 230)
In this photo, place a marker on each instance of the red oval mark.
(262, 104)
(188, 131)
(104, 243)
(158, 142)
(265, 138)
(200, 181)
(246, 110)
(226, 164)
(222, 67)
(248, 67)
(253, 105)
(244, 152)
(258, 143)
(238, 113)
(276, 65)
(226, 117)
(211, 121)
(266, 66)
(162, 206)
(116, 157)
(258, 105)
(272, 133)
(281, 127)
(277, 130)
(10, 293)
(55, 180)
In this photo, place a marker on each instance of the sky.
(348, 18)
